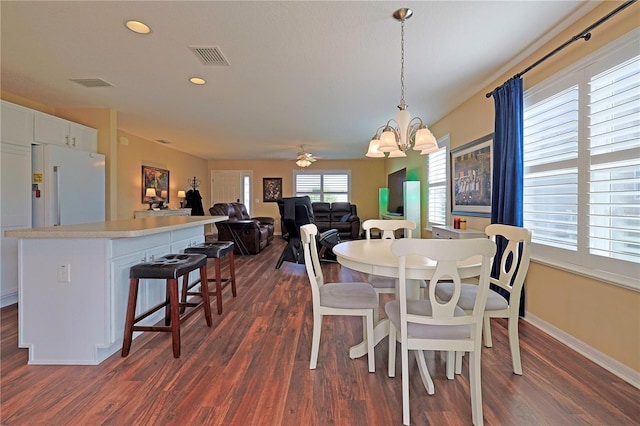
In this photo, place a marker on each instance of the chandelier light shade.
(373, 151)
(403, 131)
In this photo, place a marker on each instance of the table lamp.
(182, 196)
(151, 195)
(163, 199)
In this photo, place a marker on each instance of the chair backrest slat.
(516, 256)
(447, 253)
(388, 227)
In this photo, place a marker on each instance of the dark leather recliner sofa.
(251, 234)
(342, 216)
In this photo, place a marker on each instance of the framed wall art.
(471, 173)
(271, 189)
(158, 179)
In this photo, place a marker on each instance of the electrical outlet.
(64, 273)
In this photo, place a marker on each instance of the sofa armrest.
(349, 218)
(238, 225)
(264, 220)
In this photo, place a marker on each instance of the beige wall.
(134, 152)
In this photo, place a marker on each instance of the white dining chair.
(513, 270)
(387, 285)
(349, 298)
(436, 324)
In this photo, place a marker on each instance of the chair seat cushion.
(423, 307)
(348, 295)
(212, 249)
(495, 301)
(169, 266)
(386, 282)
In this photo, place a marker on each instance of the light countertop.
(116, 229)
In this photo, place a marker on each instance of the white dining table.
(375, 257)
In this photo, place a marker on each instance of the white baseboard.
(8, 299)
(627, 374)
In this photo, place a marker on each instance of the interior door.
(229, 186)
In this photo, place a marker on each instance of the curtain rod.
(584, 34)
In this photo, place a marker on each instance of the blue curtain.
(506, 195)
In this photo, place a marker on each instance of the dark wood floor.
(252, 368)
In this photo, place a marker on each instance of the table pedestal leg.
(380, 331)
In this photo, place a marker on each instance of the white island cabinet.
(74, 282)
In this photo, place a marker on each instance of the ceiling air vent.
(91, 82)
(210, 55)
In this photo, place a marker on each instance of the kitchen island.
(73, 282)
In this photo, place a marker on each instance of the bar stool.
(215, 250)
(170, 268)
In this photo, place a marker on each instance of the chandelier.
(403, 132)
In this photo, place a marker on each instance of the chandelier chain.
(402, 62)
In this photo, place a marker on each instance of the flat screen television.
(395, 183)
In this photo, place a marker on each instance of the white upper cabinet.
(17, 124)
(54, 130)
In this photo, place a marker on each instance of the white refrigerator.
(68, 186)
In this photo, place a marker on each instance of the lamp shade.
(388, 140)
(373, 149)
(150, 192)
(181, 194)
(397, 154)
(425, 142)
(164, 194)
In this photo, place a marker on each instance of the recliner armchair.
(295, 212)
(251, 234)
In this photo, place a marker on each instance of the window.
(437, 174)
(581, 164)
(327, 186)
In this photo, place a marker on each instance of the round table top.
(375, 257)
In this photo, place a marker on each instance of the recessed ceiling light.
(164, 141)
(137, 27)
(198, 80)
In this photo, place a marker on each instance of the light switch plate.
(64, 273)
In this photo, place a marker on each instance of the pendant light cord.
(402, 104)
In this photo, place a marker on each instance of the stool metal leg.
(130, 318)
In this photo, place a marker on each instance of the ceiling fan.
(305, 159)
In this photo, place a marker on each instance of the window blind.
(437, 193)
(323, 186)
(550, 169)
(614, 172)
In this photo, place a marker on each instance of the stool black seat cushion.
(169, 266)
(212, 249)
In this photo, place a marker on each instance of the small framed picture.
(471, 174)
(271, 189)
(158, 179)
